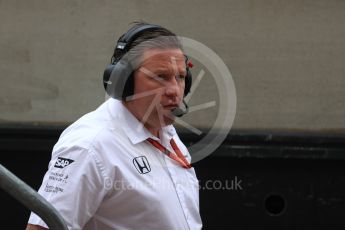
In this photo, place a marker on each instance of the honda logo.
(141, 164)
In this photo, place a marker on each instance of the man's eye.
(180, 77)
(162, 76)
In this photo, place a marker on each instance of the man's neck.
(153, 131)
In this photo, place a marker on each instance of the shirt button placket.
(178, 188)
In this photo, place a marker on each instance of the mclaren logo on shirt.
(141, 164)
(62, 162)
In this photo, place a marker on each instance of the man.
(123, 166)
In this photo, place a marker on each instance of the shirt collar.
(133, 128)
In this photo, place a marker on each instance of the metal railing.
(31, 199)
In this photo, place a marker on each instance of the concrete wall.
(286, 57)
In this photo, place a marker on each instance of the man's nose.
(172, 88)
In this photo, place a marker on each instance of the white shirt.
(105, 175)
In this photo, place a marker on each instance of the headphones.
(118, 77)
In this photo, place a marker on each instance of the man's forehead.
(162, 55)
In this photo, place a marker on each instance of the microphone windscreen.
(181, 110)
(178, 112)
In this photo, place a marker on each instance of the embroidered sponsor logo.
(142, 164)
(62, 162)
(53, 189)
(58, 177)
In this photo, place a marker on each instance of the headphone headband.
(132, 34)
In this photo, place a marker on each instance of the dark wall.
(276, 181)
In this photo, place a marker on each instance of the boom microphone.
(181, 110)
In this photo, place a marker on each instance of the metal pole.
(31, 199)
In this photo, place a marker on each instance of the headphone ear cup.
(116, 78)
(188, 83)
(106, 76)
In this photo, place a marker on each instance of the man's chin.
(169, 121)
(168, 117)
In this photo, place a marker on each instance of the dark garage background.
(288, 180)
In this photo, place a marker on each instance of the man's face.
(159, 85)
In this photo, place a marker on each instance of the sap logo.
(62, 162)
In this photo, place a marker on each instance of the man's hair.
(155, 38)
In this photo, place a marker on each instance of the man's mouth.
(170, 106)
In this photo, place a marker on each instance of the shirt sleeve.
(74, 185)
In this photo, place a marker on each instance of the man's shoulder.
(92, 127)
(100, 130)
